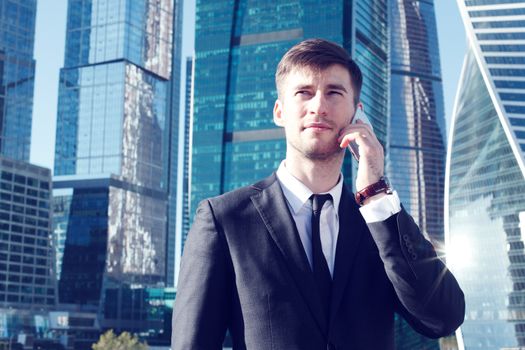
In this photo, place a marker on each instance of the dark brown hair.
(318, 54)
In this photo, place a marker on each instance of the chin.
(326, 154)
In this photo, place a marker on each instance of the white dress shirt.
(298, 199)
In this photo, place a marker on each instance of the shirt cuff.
(381, 209)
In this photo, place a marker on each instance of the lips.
(318, 126)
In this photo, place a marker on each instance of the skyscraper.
(237, 48)
(177, 122)
(17, 76)
(416, 152)
(485, 215)
(112, 157)
(27, 269)
(183, 221)
(27, 279)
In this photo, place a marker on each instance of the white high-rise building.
(485, 176)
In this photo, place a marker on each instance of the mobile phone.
(359, 115)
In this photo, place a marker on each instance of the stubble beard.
(317, 153)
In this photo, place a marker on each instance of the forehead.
(334, 74)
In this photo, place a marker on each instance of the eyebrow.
(329, 87)
(336, 87)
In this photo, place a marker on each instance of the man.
(282, 269)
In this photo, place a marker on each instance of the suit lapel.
(351, 229)
(271, 205)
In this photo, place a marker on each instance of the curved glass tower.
(485, 187)
(416, 152)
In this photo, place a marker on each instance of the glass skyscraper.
(238, 45)
(112, 157)
(416, 153)
(17, 76)
(176, 160)
(183, 221)
(27, 269)
(485, 218)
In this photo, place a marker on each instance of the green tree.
(125, 341)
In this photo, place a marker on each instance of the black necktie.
(320, 267)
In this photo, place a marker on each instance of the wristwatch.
(382, 186)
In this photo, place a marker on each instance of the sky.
(49, 56)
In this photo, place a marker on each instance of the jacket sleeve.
(428, 295)
(201, 312)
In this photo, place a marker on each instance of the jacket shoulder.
(240, 197)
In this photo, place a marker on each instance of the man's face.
(313, 107)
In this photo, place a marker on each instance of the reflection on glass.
(17, 77)
(485, 246)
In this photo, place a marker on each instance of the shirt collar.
(297, 194)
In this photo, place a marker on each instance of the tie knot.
(318, 201)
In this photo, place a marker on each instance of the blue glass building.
(485, 214)
(416, 150)
(112, 156)
(17, 76)
(183, 220)
(27, 267)
(415, 161)
(238, 45)
(176, 144)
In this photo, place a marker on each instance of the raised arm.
(429, 296)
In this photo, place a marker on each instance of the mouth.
(317, 126)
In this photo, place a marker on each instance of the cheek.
(293, 112)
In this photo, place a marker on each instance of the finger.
(359, 125)
(356, 128)
(356, 136)
(361, 138)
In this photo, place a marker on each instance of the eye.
(302, 93)
(335, 92)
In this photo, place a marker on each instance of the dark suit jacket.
(244, 269)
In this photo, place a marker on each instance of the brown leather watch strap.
(382, 186)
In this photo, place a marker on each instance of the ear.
(277, 113)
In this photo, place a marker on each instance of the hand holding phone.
(359, 115)
(371, 166)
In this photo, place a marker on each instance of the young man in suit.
(296, 261)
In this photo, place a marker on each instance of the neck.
(318, 175)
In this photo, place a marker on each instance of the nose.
(318, 104)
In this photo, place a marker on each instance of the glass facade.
(237, 48)
(114, 245)
(486, 220)
(112, 120)
(27, 278)
(174, 157)
(497, 34)
(183, 226)
(486, 181)
(17, 76)
(139, 31)
(416, 153)
(117, 112)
